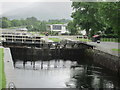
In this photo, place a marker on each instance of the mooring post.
(33, 64)
(42, 64)
(11, 86)
(55, 64)
(59, 49)
(48, 65)
(24, 64)
(14, 63)
(33, 58)
(65, 45)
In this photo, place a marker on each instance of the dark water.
(74, 72)
(63, 74)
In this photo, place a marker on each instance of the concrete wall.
(106, 60)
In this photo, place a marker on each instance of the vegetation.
(56, 21)
(2, 74)
(95, 17)
(116, 50)
(31, 23)
(55, 39)
(72, 28)
(109, 39)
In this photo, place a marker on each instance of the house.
(60, 28)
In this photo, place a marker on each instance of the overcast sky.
(49, 9)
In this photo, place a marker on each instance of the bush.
(109, 36)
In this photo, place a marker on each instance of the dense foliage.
(96, 17)
(31, 23)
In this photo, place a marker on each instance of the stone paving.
(102, 46)
(107, 47)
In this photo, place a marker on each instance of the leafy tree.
(6, 23)
(16, 23)
(96, 16)
(43, 26)
(84, 15)
(72, 28)
(109, 15)
(29, 27)
(31, 20)
(58, 21)
(4, 18)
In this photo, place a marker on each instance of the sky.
(42, 9)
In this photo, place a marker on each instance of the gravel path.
(107, 47)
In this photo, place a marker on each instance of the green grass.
(2, 73)
(109, 39)
(42, 34)
(33, 32)
(84, 40)
(55, 39)
(118, 50)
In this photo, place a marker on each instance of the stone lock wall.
(106, 60)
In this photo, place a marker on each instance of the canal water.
(73, 72)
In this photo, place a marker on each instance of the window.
(57, 27)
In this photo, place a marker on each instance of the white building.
(60, 28)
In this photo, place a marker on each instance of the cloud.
(41, 10)
(35, 1)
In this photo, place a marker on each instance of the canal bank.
(9, 69)
(57, 73)
(103, 53)
(108, 61)
(35, 61)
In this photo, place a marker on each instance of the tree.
(72, 28)
(16, 23)
(31, 20)
(96, 16)
(84, 15)
(4, 18)
(29, 27)
(6, 23)
(109, 14)
(58, 21)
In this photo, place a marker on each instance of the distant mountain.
(42, 11)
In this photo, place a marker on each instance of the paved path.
(9, 68)
(107, 47)
(102, 46)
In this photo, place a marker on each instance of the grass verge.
(109, 39)
(2, 73)
(55, 39)
(118, 50)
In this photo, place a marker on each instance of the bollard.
(11, 86)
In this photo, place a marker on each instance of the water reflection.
(67, 73)
(65, 68)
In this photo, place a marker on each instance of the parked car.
(96, 38)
